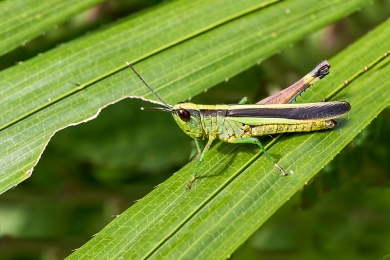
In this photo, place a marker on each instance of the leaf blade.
(255, 204)
(159, 206)
(24, 20)
(101, 55)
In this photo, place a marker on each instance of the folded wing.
(286, 113)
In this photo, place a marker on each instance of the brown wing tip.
(346, 106)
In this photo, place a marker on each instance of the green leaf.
(238, 192)
(234, 199)
(181, 48)
(39, 100)
(238, 200)
(23, 20)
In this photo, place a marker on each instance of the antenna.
(154, 93)
(156, 109)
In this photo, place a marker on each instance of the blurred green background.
(91, 172)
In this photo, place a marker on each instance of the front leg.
(254, 140)
(194, 156)
(206, 148)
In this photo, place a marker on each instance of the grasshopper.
(241, 123)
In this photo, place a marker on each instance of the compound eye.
(184, 115)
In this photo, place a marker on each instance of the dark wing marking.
(325, 110)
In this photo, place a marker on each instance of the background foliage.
(88, 173)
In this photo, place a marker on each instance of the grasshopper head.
(187, 116)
